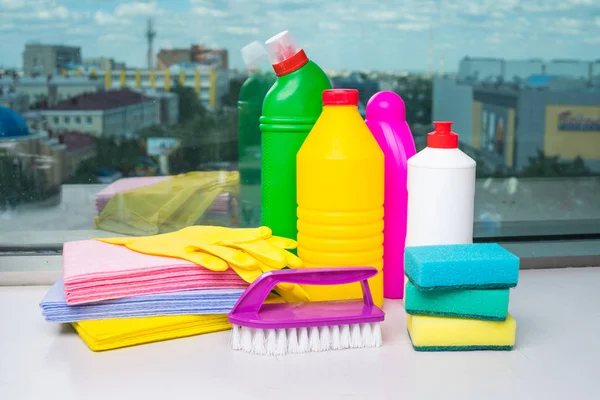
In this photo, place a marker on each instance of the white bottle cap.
(281, 47)
(254, 54)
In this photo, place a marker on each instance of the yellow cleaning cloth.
(111, 334)
(456, 334)
(166, 206)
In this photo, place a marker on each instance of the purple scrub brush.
(282, 328)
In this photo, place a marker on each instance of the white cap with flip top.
(281, 47)
(285, 53)
(254, 54)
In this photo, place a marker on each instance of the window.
(485, 67)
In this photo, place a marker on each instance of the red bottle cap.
(442, 137)
(340, 97)
(291, 64)
(285, 53)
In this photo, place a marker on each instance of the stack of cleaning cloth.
(123, 185)
(219, 207)
(145, 206)
(95, 271)
(125, 291)
(204, 301)
(457, 297)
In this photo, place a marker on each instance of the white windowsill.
(556, 351)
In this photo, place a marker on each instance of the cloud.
(553, 5)
(212, 12)
(12, 4)
(565, 26)
(412, 26)
(136, 9)
(7, 27)
(81, 30)
(330, 26)
(240, 30)
(102, 18)
(59, 12)
(515, 28)
(118, 37)
(591, 40)
(495, 38)
(381, 15)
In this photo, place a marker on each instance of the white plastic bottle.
(441, 192)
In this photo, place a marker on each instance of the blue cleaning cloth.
(205, 301)
(461, 266)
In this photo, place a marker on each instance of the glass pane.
(106, 104)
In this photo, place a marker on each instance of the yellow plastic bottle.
(340, 184)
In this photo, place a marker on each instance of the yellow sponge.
(457, 334)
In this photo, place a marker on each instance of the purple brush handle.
(257, 292)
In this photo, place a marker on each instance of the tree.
(189, 103)
(86, 172)
(416, 92)
(545, 166)
(231, 97)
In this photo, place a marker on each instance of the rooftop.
(58, 80)
(75, 141)
(104, 100)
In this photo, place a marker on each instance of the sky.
(389, 35)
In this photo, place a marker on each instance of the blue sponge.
(461, 266)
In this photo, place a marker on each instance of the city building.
(42, 91)
(195, 54)
(168, 106)
(210, 82)
(366, 87)
(574, 69)
(112, 113)
(79, 147)
(44, 59)
(29, 162)
(101, 63)
(473, 69)
(18, 102)
(509, 122)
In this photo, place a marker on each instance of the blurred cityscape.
(67, 119)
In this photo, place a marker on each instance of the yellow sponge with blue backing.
(455, 334)
(461, 266)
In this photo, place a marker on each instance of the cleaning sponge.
(478, 304)
(455, 334)
(461, 266)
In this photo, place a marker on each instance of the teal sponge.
(477, 304)
(461, 266)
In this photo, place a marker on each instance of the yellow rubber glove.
(249, 251)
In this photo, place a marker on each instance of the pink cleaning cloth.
(95, 271)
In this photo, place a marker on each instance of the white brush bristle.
(304, 340)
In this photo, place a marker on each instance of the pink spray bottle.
(386, 118)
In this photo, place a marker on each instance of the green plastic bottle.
(290, 110)
(250, 101)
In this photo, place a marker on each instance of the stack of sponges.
(457, 297)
